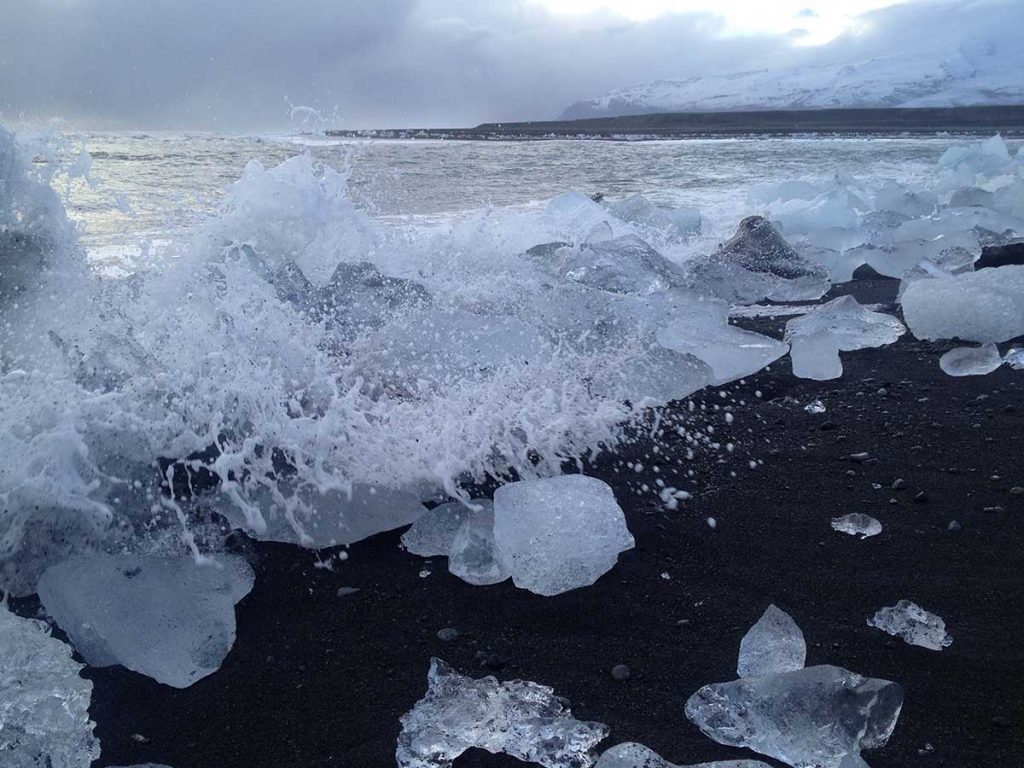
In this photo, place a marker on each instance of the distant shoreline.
(1007, 120)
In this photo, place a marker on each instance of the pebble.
(993, 509)
(343, 591)
(954, 526)
(860, 457)
(620, 672)
(882, 391)
(448, 634)
(851, 473)
(1017, 490)
(899, 484)
(921, 497)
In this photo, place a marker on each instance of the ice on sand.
(857, 524)
(519, 718)
(559, 533)
(971, 361)
(44, 703)
(818, 717)
(433, 533)
(913, 624)
(731, 352)
(987, 305)
(474, 556)
(775, 644)
(632, 755)
(168, 618)
(1015, 358)
(816, 356)
(851, 325)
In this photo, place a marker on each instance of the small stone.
(448, 634)
(921, 497)
(1017, 490)
(345, 591)
(860, 458)
(993, 509)
(882, 391)
(954, 526)
(621, 672)
(851, 473)
(899, 484)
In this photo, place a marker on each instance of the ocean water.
(310, 339)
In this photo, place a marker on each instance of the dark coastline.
(319, 680)
(1007, 120)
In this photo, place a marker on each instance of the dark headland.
(318, 679)
(1007, 120)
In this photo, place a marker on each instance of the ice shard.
(632, 755)
(518, 718)
(913, 624)
(559, 533)
(775, 644)
(168, 618)
(851, 325)
(857, 524)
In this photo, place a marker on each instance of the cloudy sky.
(237, 64)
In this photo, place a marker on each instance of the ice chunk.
(731, 352)
(1015, 358)
(656, 377)
(519, 718)
(913, 624)
(759, 247)
(851, 325)
(674, 222)
(816, 356)
(632, 755)
(359, 298)
(168, 618)
(811, 718)
(857, 524)
(815, 407)
(623, 265)
(971, 361)
(575, 215)
(474, 556)
(433, 533)
(559, 533)
(775, 644)
(987, 305)
(44, 704)
(904, 200)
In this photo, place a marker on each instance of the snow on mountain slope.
(959, 55)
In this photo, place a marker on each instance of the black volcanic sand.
(315, 679)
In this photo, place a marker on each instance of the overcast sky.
(232, 64)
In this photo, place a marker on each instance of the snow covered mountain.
(963, 59)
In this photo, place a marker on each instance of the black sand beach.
(316, 679)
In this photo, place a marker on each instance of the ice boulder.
(518, 718)
(817, 717)
(987, 305)
(851, 325)
(971, 361)
(913, 624)
(575, 215)
(759, 247)
(433, 533)
(857, 524)
(654, 377)
(474, 557)
(621, 265)
(632, 755)
(44, 703)
(731, 352)
(169, 618)
(775, 644)
(559, 533)
(673, 222)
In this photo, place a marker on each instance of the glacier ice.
(857, 524)
(758, 247)
(624, 264)
(474, 556)
(1015, 358)
(169, 618)
(817, 717)
(816, 356)
(987, 305)
(851, 325)
(559, 533)
(775, 644)
(632, 755)
(575, 215)
(519, 718)
(731, 352)
(916, 626)
(971, 361)
(44, 703)
(675, 222)
(433, 533)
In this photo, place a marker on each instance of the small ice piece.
(971, 361)
(987, 305)
(168, 618)
(432, 535)
(1015, 358)
(44, 704)
(519, 718)
(857, 524)
(913, 624)
(632, 755)
(815, 407)
(775, 644)
(816, 356)
(559, 533)
(817, 717)
(474, 557)
(852, 325)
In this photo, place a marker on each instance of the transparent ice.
(912, 623)
(632, 755)
(857, 524)
(816, 355)
(474, 557)
(971, 361)
(433, 533)
(987, 305)
(851, 325)
(775, 644)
